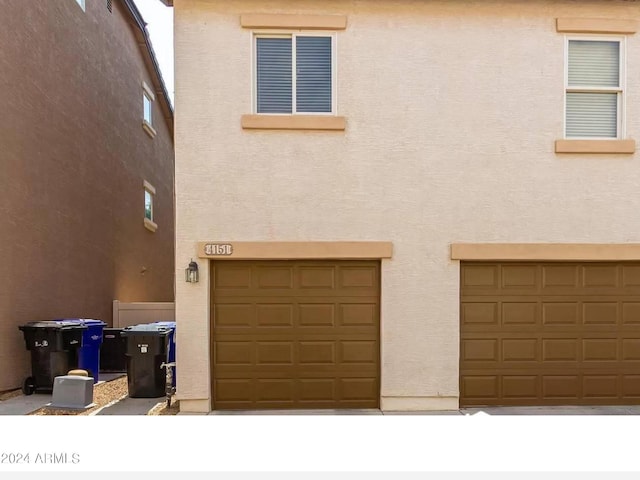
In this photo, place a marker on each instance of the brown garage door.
(550, 333)
(295, 334)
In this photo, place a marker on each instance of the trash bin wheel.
(29, 386)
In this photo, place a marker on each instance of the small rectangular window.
(147, 109)
(594, 88)
(294, 74)
(148, 205)
(82, 4)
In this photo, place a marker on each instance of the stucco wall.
(452, 110)
(73, 157)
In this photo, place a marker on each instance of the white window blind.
(294, 74)
(275, 76)
(313, 74)
(594, 89)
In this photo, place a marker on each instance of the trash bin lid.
(54, 324)
(146, 329)
(171, 325)
(83, 321)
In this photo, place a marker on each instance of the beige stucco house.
(407, 204)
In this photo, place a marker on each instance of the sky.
(159, 19)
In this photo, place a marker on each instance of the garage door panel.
(631, 276)
(233, 277)
(519, 314)
(234, 315)
(518, 350)
(275, 389)
(274, 315)
(560, 313)
(566, 387)
(556, 277)
(600, 313)
(631, 386)
(631, 349)
(600, 386)
(598, 349)
(479, 387)
(358, 388)
(274, 352)
(560, 350)
(318, 389)
(317, 314)
(359, 314)
(480, 313)
(234, 353)
(317, 352)
(480, 277)
(480, 350)
(572, 338)
(297, 334)
(600, 275)
(358, 351)
(275, 278)
(631, 313)
(312, 333)
(520, 386)
(358, 277)
(234, 389)
(519, 276)
(315, 277)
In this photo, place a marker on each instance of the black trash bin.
(147, 349)
(54, 346)
(113, 351)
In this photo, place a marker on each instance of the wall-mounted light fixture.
(191, 273)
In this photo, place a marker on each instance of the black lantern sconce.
(191, 273)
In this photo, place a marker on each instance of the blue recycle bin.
(172, 344)
(89, 352)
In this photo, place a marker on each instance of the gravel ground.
(10, 394)
(104, 394)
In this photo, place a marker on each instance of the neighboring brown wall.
(73, 157)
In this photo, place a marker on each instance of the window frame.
(149, 223)
(148, 96)
(146, 100)
(620, 90)
(293, 34)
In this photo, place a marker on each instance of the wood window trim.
(290, 21)
(147, 186)
(149, 129)
(596, 25)
(545, 251)
(148, 91)
(150, 225)
(595, 146)
(293, 122)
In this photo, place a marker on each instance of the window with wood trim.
(295, 73)
(594, 101)
(149, 206)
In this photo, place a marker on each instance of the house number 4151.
(218, 249)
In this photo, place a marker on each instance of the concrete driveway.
(25, 404)
(559, 410)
